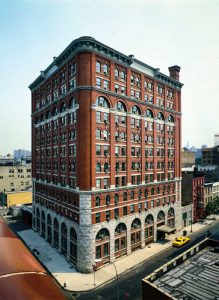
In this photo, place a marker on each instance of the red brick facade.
(107, 125)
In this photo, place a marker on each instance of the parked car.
(180, 241)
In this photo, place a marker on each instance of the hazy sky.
(160, 33)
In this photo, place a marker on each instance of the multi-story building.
(211, 191)
(15, 178)
(210, 156)
(188, 158)
(21, 154)
(106, 132)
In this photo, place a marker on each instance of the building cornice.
(89, 44)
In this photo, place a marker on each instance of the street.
(130, 283)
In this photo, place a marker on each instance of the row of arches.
(57, 234)
(135, 109)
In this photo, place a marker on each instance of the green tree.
(211, 207)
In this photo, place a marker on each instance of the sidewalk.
(71, 280)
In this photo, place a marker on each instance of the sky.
(160, 33)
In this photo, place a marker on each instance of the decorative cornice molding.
(87, 43)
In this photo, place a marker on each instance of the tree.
(211, 207)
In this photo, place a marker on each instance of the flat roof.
(195, 279)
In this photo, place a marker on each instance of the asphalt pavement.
(130, 283)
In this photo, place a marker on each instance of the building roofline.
(87, 43)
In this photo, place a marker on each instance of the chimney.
(174, 72)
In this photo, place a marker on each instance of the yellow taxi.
(180, 241)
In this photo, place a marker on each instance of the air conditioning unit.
(105, 186)
(106, 121)
(105, 154)
(105, 138)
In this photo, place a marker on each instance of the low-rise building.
(187, 213)
(188, 158)
(14, 178)
(9, 199)
(211, 191)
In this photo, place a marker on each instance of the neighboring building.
(6, 160)
(210, 156)
(193, 192)
(188, 158)
(9, 199)
(21, 154)
(211, 191)
(106, 132)
(14, 178)
(216, 140)
(187, 215)
(191, 275)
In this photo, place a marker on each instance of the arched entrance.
(171, 217)
(149, 229)
(73, 246)
(64, 239)
(56, 233)
(120, 240)
(160, 222)
(49, 229)
(43, 224)
(135, 234)
(102, 246)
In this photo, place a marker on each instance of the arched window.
(116, 135)
(107, 199)
(171, 212)
(136, 223)
(158, 165)
(73, 246)
(158, 190)
(37, 219)
(149, 219)
(146, 165)
(121, 106)
(170, 119)
(160, 116)
(121, 227)
(64, 239)
(116, 198)
(98, 167)
(116, 73)
(139, 194)
(136, 110)
(106, 167)
(98, 66)
(117, 167)
(133, 166)
(97, 201)
(98, 134)
(123, 166)
(49, 229)
(132, 79)
(103, 102)
(48, 115)
(43, 224)
(161, 215)
(56, 233)
(102, 234)
(152, 191)
(138, 166)
(146, 193)
(132, 195)
(149, 114)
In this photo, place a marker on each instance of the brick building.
(106, 132)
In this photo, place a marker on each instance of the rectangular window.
(123, 120)
(116, 245)
(152, 203)
(106, 150)
(116, 88)
(98, 82)
(132, 151)
(106, 117)
(108, 215)
(106, 183)
(106, 85)
(98, 183)
(117, 181)
(106, 249)
(98, 252)
(98, 116)
(98, 150)
(116, 212)
(97, 217)
(122, 90)
(125, 211)
(132, 209)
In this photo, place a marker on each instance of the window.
(97, 217)
(98, 82)
(98, 251)
(105, 134)
(125, 211)
(106, 85)
(123, 76)
(97, 201)
(106, 183)
(98, 116)
(98, 66)
(105, 69)
(116, 73)
(98, 150)
(123, 120)
(106, 150)
(98, 183)
(116, 88)
(108, 215)
(132, 195)
(132, 209)
(125, 196)
(116, 213)
(98, 167)
(106, 117)
(108, 200)
(98, 134)
(121, 106)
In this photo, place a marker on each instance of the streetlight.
(191, 216)
(117, 277)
